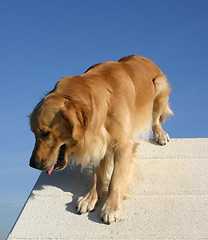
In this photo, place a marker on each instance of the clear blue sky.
(42, 41)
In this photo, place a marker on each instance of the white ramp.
(170, 201)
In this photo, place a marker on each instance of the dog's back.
(126, 94)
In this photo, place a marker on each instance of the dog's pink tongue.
(50, 171)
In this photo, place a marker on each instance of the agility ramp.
(169, 199)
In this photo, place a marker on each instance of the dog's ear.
(75, 115)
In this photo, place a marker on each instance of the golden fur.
(98, 116)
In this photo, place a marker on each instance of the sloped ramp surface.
(169, 200)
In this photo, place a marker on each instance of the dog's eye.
(45, 134)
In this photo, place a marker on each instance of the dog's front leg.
(112, 208)
(87, 202)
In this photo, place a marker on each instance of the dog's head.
(58, 124)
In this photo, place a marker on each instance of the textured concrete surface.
(169, 199)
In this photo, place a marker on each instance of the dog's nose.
(34, 163)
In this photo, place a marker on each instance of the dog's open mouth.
(61, 161)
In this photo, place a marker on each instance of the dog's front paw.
(87, 203)
(111, 212)
(161, 137)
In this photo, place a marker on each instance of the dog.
(97, 117)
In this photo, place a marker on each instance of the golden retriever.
(96, 117)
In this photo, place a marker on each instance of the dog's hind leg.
(87, 203)
(160, 109)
